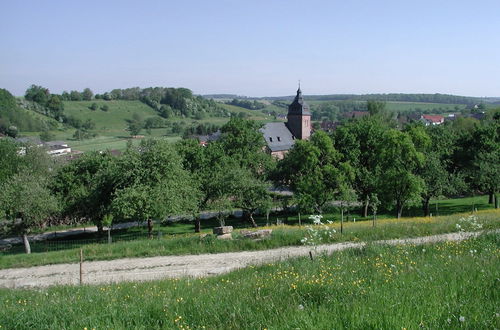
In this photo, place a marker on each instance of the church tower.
(299, 118)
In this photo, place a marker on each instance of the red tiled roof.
(433, 118)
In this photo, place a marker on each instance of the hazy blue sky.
(253, 48)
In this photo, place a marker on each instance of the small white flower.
(301, 307)
(461, 319)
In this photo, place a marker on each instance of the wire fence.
(64, 243)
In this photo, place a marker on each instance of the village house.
(432, 120)
(54, 148)
(280, 137)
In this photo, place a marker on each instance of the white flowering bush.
(469, 223)
(319, 232)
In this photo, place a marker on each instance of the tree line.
(396, 97)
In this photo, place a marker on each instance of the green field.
(436, 108)
(113, 121)
(176, 241)
(442, 286)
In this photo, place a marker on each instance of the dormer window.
(279, 139)
(270, 139)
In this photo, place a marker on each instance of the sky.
(253, 48)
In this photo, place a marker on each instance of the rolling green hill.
(112, 121)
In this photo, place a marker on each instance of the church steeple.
(299, 117)
(298, 106)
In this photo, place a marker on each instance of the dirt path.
(145, 269)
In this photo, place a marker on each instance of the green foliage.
(400, 162)
(10, 161)
(157, 188)
(87, 95)
(135, 125)
(37, 94)
(313, 170)
(26, 202)
(242, 141)
(14, 119)
(375, 107)
(47, 136)
(77, 187)
(251, 105)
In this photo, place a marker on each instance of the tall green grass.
(443, 286)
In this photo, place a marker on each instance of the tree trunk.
(197, 225)
(399, 207)
(100, 229)
(365, 209)
(150, 228)
(252, 221)
(426, 206)
(27, 247)
(491, 199)
(496, 201)
(341, 220)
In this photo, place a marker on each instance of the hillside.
(14, 119)
(111, 121)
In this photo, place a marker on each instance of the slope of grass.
(112, 121)
(281, 236)
(443, 286)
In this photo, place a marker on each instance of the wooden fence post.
(81, 266)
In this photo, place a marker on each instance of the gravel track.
(153, 268)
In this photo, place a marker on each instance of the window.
(270, 139)
(279, 139)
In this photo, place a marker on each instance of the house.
(57, 148)
(280, 137)
(54, 148)
(432, 119)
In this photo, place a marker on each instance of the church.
(280, 137)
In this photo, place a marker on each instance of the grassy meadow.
(190, 243)
(442, 286)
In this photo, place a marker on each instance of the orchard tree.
(400, 163)
(26, 203)
(55, 106)
(313, 171)
(154, 174)
(488, 173)
(135, 125)
(37, 94)
(87, 94)
(10, 160)
(249, 193)
(81, 187)
(242, 141)
(359, 142)
(214, 173)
